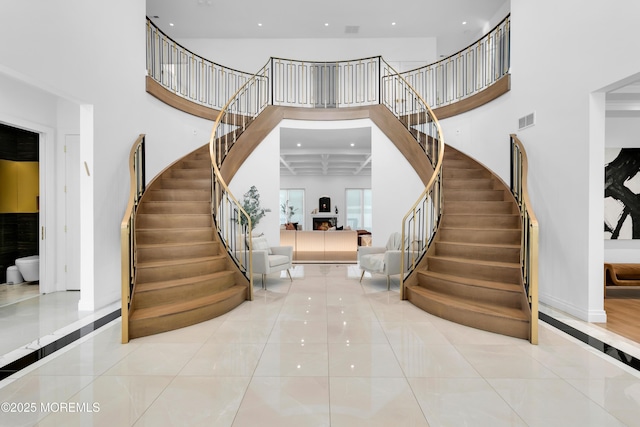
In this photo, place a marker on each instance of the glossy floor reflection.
(28, 316)
(326, 350)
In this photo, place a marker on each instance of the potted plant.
(288, 211)
(251, 205)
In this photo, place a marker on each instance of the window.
(359, 216)
(294, 198)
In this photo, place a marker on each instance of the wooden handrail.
(530, 232)
(127, 236)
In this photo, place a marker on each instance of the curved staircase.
(183, 274)
(473, 274)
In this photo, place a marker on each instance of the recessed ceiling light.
(464, 22)
(171, 24)
(393, 23)
(259, 24)
(353, 145)
(326, 24)
(298, 144)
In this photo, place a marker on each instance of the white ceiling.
(307, 19)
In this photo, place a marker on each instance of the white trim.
(87, 289)
(594, 316)
(47, 215)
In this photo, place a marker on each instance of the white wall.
(321, 185)
(395, 187)
(394, 183)
(404, 54)
(622, 132)
(262, 169)
(73, 52)
(560, 75)
(170, 134)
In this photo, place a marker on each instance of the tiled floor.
(324, 350)
(26, 316)
(10, 294)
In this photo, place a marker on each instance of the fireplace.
(324, 222)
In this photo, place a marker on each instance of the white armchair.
(269, 259)
(383, 260)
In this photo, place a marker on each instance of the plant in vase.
(288, 211)
(251, 205)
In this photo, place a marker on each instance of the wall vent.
(526, 121)
(352, 29)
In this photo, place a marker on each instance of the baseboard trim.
(46, 350)
(605, 348)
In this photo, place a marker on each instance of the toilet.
(29, 268)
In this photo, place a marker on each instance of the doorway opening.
(19, 213)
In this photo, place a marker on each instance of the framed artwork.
(622, 193)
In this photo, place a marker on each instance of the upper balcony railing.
(188, 75)
(326, 84)
(329, 84)
(466, 72)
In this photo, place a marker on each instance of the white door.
(72, 211)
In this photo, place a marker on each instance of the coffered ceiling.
(325, 151)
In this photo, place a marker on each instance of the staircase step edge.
(477, 261)
(194, 304)
(468, 281)
(178, 261)
(471, 305)
(166, 284)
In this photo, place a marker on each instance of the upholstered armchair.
(381, 260)
(269, 259)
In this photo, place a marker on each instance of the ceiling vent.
(526, 121)
(352, 29)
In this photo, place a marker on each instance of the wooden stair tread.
(174, 229)
(458, 303)
(480, 245)
(170, 309)
(477, 261)
(178, 261)
(173, 214)
(497, 214)
(175, 244)
(481, 229)
(154, 286)
(488, 284)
